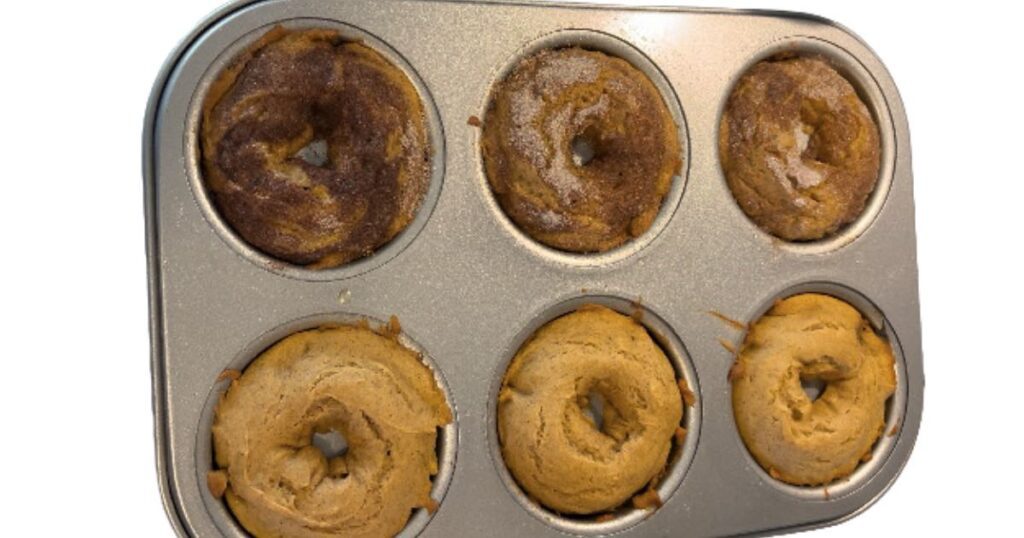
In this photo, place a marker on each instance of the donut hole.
(331, 443)
(820, 142)
(588, 146)
(315, 153)
(605, 416)
(813, 387)
(593, 408)
(584, 148)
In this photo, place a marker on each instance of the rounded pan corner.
(907, 434)
(168, 496)
(856, 512)
(171, 509)
(168, 66)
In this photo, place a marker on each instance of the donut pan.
(469, 288)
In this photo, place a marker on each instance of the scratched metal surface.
(468, 287)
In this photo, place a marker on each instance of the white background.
(76, 444)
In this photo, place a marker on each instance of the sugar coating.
(549, 101)
(799, 149)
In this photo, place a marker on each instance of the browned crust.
(392, 329)
(647, 499)
(217, 483)
(637, 312)
(739, 326)
(689, 398)
(735, 371)
(229, 373)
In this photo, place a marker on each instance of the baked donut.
(366, 386)
(555, 451)
(799, 149)
(811, 337)
(579, 149)
(295, 94)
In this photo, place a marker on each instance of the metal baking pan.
(468, 287)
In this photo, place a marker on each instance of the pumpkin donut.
(555, 451)
(799, 149)
(811, 337)
(580, 149)
(366, 386)
(265, 115)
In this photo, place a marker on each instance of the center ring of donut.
(314, 153)
(814, 387)
(330, 443)
(585, 146)
(818, 127)
(601, 411)
(592, 405)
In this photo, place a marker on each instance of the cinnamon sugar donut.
(811, 337)
(799, 149)
(366, 386)
(556, 452)
(292, 89)
(579, 149)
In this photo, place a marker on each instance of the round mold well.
(447, 439)
(871, 94)
(680, 457)
(616, 47)
(895, 406)
(194, 168)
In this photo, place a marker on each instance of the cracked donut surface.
(812, 337)
(348, 379)
(557, 452)
(799, 149)
(579, 149)
(314, 148)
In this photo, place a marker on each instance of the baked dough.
(811, 337)
(799, 149)
(552, 448)
(366, 386)
(554, 100)
(294, 88)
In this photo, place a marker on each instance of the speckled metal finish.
(469, 287)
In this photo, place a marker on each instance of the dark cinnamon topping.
(294, 89)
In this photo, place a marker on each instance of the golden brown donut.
(552, 448)
(811, 337)
(555, 99)
(799, 149)
(366, 386)
(294, 88)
